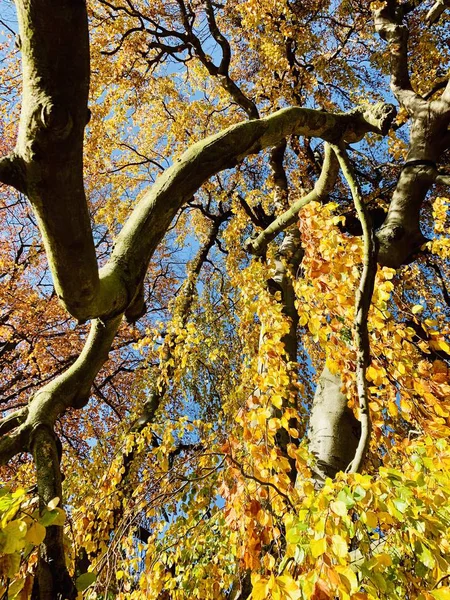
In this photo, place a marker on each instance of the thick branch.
(52, 580)
(388, 24)
(334, 432)
(12, 172)
(362, 305)
(54, 113)
(55, 69)
(13, 420)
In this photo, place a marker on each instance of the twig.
(260, 481)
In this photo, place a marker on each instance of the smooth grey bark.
(400, 235)
(54, 44)
(334, 431)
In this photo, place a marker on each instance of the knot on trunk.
(56, 119)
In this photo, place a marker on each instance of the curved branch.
(362, 305)
(389, 26)
(50, 142)
(322, 188)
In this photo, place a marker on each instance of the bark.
(52, 579)
(334, 431)
(400, 235)
(49, 149)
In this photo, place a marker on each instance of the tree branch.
(435, 12)
(13, 444)
(322, 188)
(362, 305)
(53, 579)
(12, 172)
(13, 420)
(389, 26)
(51, 144)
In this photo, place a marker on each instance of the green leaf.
(424, 555)
(48, 517)
(84, 581)
(359, 493)
(339, 508)
(400, 505)
(13, 536)
(347, 498)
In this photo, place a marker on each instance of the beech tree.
(225, 320)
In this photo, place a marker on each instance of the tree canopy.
(225, 321)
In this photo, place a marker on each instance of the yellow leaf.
(277, 400)
(348, 578)
(289, 587)
(35, 534)
(339, 546)
(375, 375)
(318, 547)
(384, 559)
(441, 345)
(371, 519)
(416, 309)
(332, 365)
(314, 325)
(442, 593)
(339, 508)
(13, 537)
(260, 587)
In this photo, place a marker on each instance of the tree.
(266, 213)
